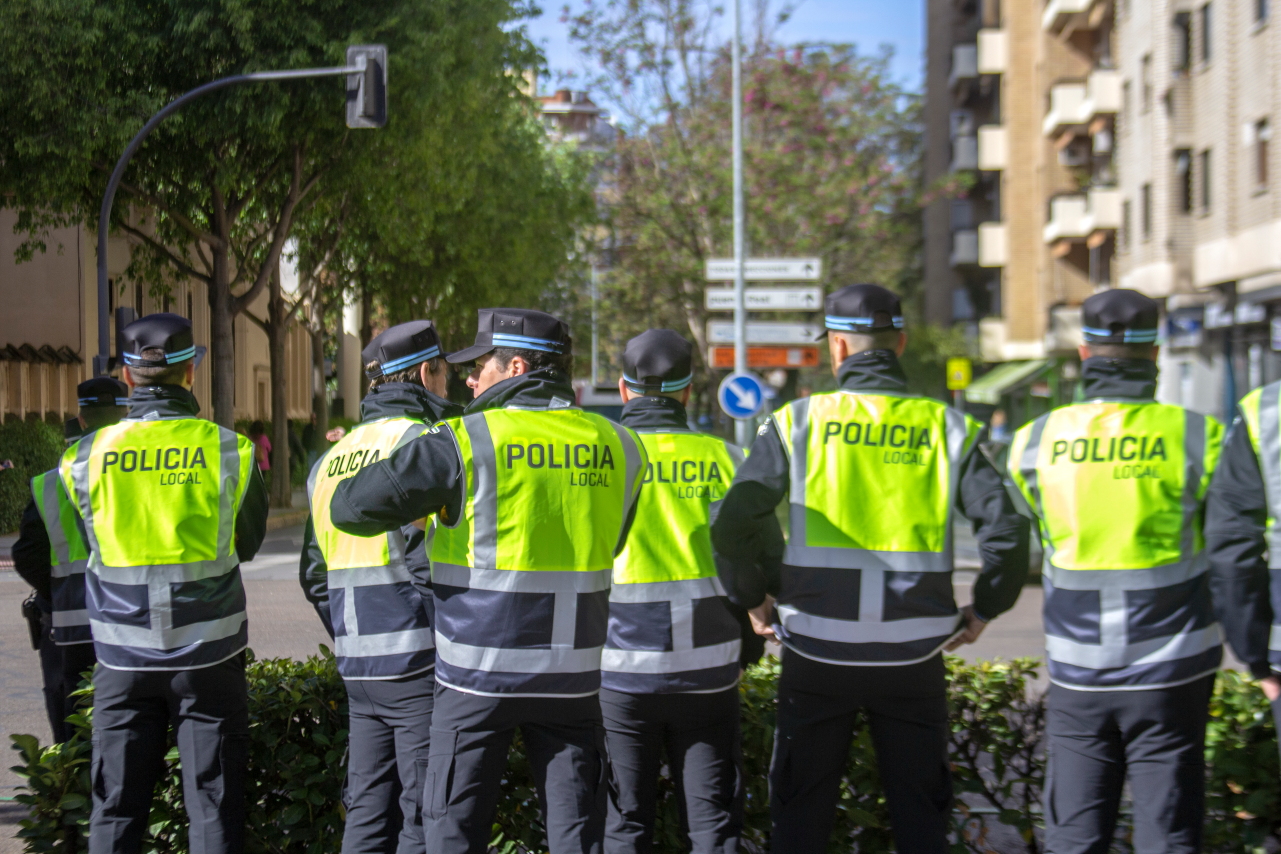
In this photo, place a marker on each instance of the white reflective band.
(118, 634)
(388, 643)
(1274, 639)
(367, 576)
(666, 591)
(520, 581)
(860, 631)
(1107, 656)
(493, 659)
(676, 661)
(173, 573)
(1124, 579)
(68, 619)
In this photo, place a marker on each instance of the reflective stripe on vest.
(382, 628)
(159, 498)
(1119, 489)
(521, 581)
(1261, 412)
(68, 559)
(867, 568)
(669, 628)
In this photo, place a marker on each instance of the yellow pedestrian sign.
(959, 374)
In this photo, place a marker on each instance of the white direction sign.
(767, 270)
(766, 299)
(764, 332)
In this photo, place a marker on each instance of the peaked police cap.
(1119, 316)
(401, 347)
(102, 391)
(517, 329)
(658, 360)
(161, 331)
(863, 308)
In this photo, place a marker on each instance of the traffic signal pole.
(742, 427)
(370, 64)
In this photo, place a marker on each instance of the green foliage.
(34, 447)
(297, 759)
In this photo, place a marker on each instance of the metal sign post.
(742, 429)
(366, 107)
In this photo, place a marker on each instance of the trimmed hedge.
(298, 756)
(34, 447)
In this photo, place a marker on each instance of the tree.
(831, 158)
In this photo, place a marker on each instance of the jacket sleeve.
(31, 552)
(1236, 513)
(745, 530)
(1002, 534)
(313, 575)
(251, 520)
(422, 478)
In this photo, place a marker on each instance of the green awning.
(996, 382)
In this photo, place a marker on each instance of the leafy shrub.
(34, 447)
(297, 763)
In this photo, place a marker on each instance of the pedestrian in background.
(373, 595)
(52, 557)
(533, 499)
(1118, 485)
(262, 445)
(874, 477)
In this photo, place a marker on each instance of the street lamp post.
(367, 107)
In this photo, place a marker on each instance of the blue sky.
(866, 23)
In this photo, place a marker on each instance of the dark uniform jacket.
(1236, 513)
(427, 475)
(650, 413)
(747, 531)
(389, 400)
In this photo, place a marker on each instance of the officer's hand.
(1271, 686)
(973, 628)
(762, 617)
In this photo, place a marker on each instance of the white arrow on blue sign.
(741, 395)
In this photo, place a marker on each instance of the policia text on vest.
(873, 477)
(520, 564)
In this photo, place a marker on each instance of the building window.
(1145, 81)
(1262, 134)
(1205, 181)
(1145, 211)
(1182, 42)
(1260, 11)
(1183, 178)
(1207, 33)
(1125, 224)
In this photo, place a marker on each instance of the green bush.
(298, 756)
(34, 447)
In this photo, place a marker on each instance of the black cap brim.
(470, 354)
(201, 350)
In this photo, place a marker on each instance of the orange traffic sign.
(767, 357)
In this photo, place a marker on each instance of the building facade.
(49, 329)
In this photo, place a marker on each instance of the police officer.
(170, 504)
(874, 476)
(1118, 484)
(533, 498)
(373, 594)
(669, 673)
(51, 556)
(1244, 542)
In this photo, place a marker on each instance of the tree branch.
(158, 247)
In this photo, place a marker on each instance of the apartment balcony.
(992, 52)
(1079, 217)
(1074, 106)
(965, 247)
(965, 64)
(965, 153)
(1060, 15)
(992, 244)
(993, 145)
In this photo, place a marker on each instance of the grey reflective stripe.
(1110, 655)
(1274, 639)
(368, 576)
(228, 498)
(70, 619)
(167, 637)
(860, 631)
(1194, 470)
(666, 591)
(493, 659)
(70, 568)
(1027, 465)
(1122, 580)
(632, 465)
(387, 643)
(519, 581)
(170, 573)
(676, 661)
(485, 504)
(1270, 465)
(736, 454)
(80, 480)
(873, 563)
(412, 432)
(51, 511)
